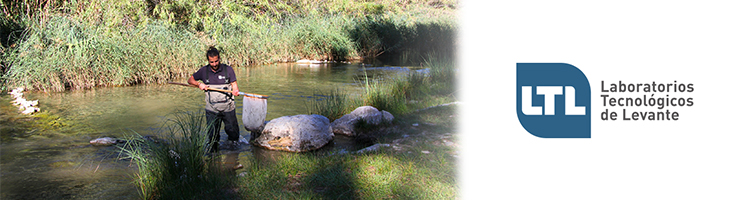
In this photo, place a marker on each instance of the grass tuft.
(398, 95)
(177, 166)
(333, 104)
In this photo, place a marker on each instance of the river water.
(50, 158)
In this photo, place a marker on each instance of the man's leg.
(231, 126)
(214, 124)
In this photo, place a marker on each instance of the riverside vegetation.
(420, 163)
(78, 44)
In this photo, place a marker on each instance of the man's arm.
(200, 85)
(235, 89)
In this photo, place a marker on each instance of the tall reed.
(176, 166)
(68, 45)
(65, 54)
(333, 104)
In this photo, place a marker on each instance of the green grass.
(333, 104)
(403, 94)
(65, 54)
(175, 167)
(420, 166)
(69, 45)
(398, 95)
(388, 173)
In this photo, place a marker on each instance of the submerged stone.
(374, 147)
(105, 141)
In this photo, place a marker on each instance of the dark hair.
(212, 51)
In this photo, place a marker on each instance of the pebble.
(373, 148)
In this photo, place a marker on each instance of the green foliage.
(64, 54)
(403, 94)
(442, 73)
(176, 167)
(384, 96)
(80, 44)
(398, 37)
(334, 104)
(398, 95)
(313, 37)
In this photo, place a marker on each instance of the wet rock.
(388, 117)
(299, 133)
(371, 115)
(242, 140)
(28, 110)
(238, 166)
(344, 125)
(374, 147)
(25, 106)
(105, 141)
(154, 139)
(342, 152)
(16, 93)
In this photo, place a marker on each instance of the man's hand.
(235, 89)
(200, 85)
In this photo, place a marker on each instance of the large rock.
(345, 124)
(299, 133)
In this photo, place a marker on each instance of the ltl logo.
(553, 100)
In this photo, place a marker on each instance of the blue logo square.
(553, 100)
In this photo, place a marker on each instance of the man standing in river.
(219, 105)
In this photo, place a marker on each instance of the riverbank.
(85, 44)
(414, 158)
(419, 163)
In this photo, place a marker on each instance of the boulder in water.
(371, 115)
(299, 133)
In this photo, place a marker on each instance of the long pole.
(259, 96)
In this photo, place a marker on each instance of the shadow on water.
(50, 158)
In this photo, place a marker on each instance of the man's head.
(212, 55)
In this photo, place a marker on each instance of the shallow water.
(56, 162)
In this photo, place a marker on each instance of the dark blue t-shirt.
(217, 77)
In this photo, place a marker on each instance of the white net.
(253, 113)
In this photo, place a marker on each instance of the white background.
(703, 155)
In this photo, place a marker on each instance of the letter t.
(549, 93)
